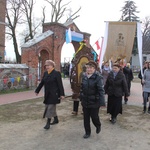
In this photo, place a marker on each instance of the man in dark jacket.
(92, 97)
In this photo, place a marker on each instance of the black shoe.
(125, 102)
(55, 121)
(47, 126)
(74, 113)
(110, 119)
(98, 130)
(113, 121)
(85, 136)
(144, 109)
(148, 110)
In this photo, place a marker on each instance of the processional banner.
(120, 41)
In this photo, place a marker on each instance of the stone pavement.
(134, 99)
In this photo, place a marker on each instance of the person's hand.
(36, 94)
(62, 97)
(143, 81)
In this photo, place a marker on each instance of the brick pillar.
(2, 28)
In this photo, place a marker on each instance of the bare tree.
(27, 9)
(58, 10)
(20, 12)
(13, 18)
(146, 26)
(146, 34)
(43, 12)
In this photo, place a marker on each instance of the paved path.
(134, 99)
(26, 95)
(136, 94)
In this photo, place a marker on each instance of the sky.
(93, 15)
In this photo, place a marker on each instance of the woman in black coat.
(129, 77)
(92, 97)
(53, 92)
(115, 87)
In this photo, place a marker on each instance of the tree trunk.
(18, 56)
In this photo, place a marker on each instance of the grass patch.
(13, 91)
(19, 111)
(33, 110)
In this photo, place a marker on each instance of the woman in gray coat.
(146, 88)
(53, 92)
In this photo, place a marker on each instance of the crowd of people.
(113, 81)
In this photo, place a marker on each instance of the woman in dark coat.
(53, 92)
(129, 77)
(115, 87)
(92, 97)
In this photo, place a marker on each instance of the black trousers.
(92, 113)
(75, 106)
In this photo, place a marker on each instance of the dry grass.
(19, 111)
(33, 109)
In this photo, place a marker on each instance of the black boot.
(144, 109)
(149, 109)
(125, 100)
(98, 129)
(55, 120)
(47, 126)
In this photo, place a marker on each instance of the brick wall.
(12, 76)
(58, 39)
(2, 28)
(48, 48)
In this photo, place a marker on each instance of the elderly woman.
(92, 97)
(53, 93)
(115, 87)
(105, 71)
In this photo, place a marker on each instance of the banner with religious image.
(120, 41)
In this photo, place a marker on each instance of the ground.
(21, 128)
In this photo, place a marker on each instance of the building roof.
(16, 66)
(146, 45)
(38, 39)
(68, 23)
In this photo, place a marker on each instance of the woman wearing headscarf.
(105, 71)
(53, 92)
(92, 97)
(115, 88)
